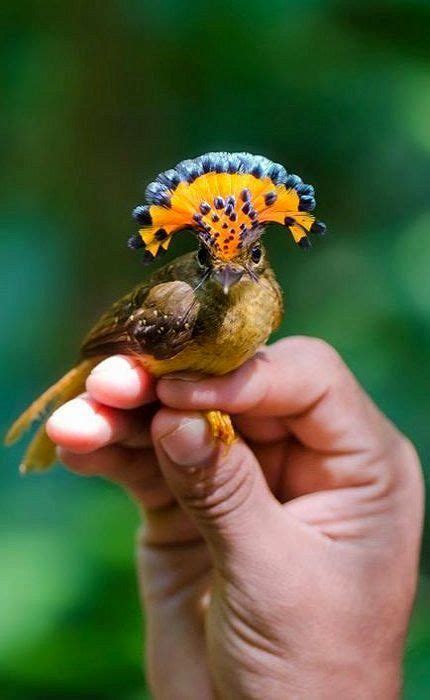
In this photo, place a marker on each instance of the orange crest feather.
(226, 199)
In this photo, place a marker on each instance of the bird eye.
(203, 256)
(256, 254)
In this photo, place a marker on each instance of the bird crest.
(226, 199)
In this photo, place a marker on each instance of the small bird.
(207, 311)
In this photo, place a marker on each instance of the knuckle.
(411, 452)
(325, 353)
(312, 350)
(410, 463)
(399, 476)
(333, 374)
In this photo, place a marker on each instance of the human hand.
(284, 566)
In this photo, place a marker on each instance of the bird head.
(249, 264)
(226, 199)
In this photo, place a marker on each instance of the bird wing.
(157, 320)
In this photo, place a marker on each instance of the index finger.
(301, 381)
(120, 381)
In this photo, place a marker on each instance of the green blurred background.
(97, 98)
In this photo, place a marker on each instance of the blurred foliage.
(97, 99)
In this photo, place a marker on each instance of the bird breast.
(230, 330)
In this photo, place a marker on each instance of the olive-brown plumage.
(180, 319)
(207, 311)
(176, 321)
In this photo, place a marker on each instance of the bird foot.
(221, 426)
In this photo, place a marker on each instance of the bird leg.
(221, 426)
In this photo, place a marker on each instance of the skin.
(283, 567)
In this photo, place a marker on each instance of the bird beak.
(227, 277)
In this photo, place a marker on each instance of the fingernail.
(116, 363)
(190, 443)
(183, 376)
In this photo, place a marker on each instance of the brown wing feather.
(154, 320)
(115, 331)
(110, 335)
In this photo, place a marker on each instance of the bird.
(205, 312)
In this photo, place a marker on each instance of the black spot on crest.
(257, 170)
(161, 235)
(270, 198)
(307, 203)
(142, 215)
(205, 208)
(293, 181)
(135, 242)
(304, 243)
(305, 190)
(319, 228)
(157, 193)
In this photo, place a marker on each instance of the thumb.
(221, 488)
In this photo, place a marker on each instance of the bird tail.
(41, 452)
